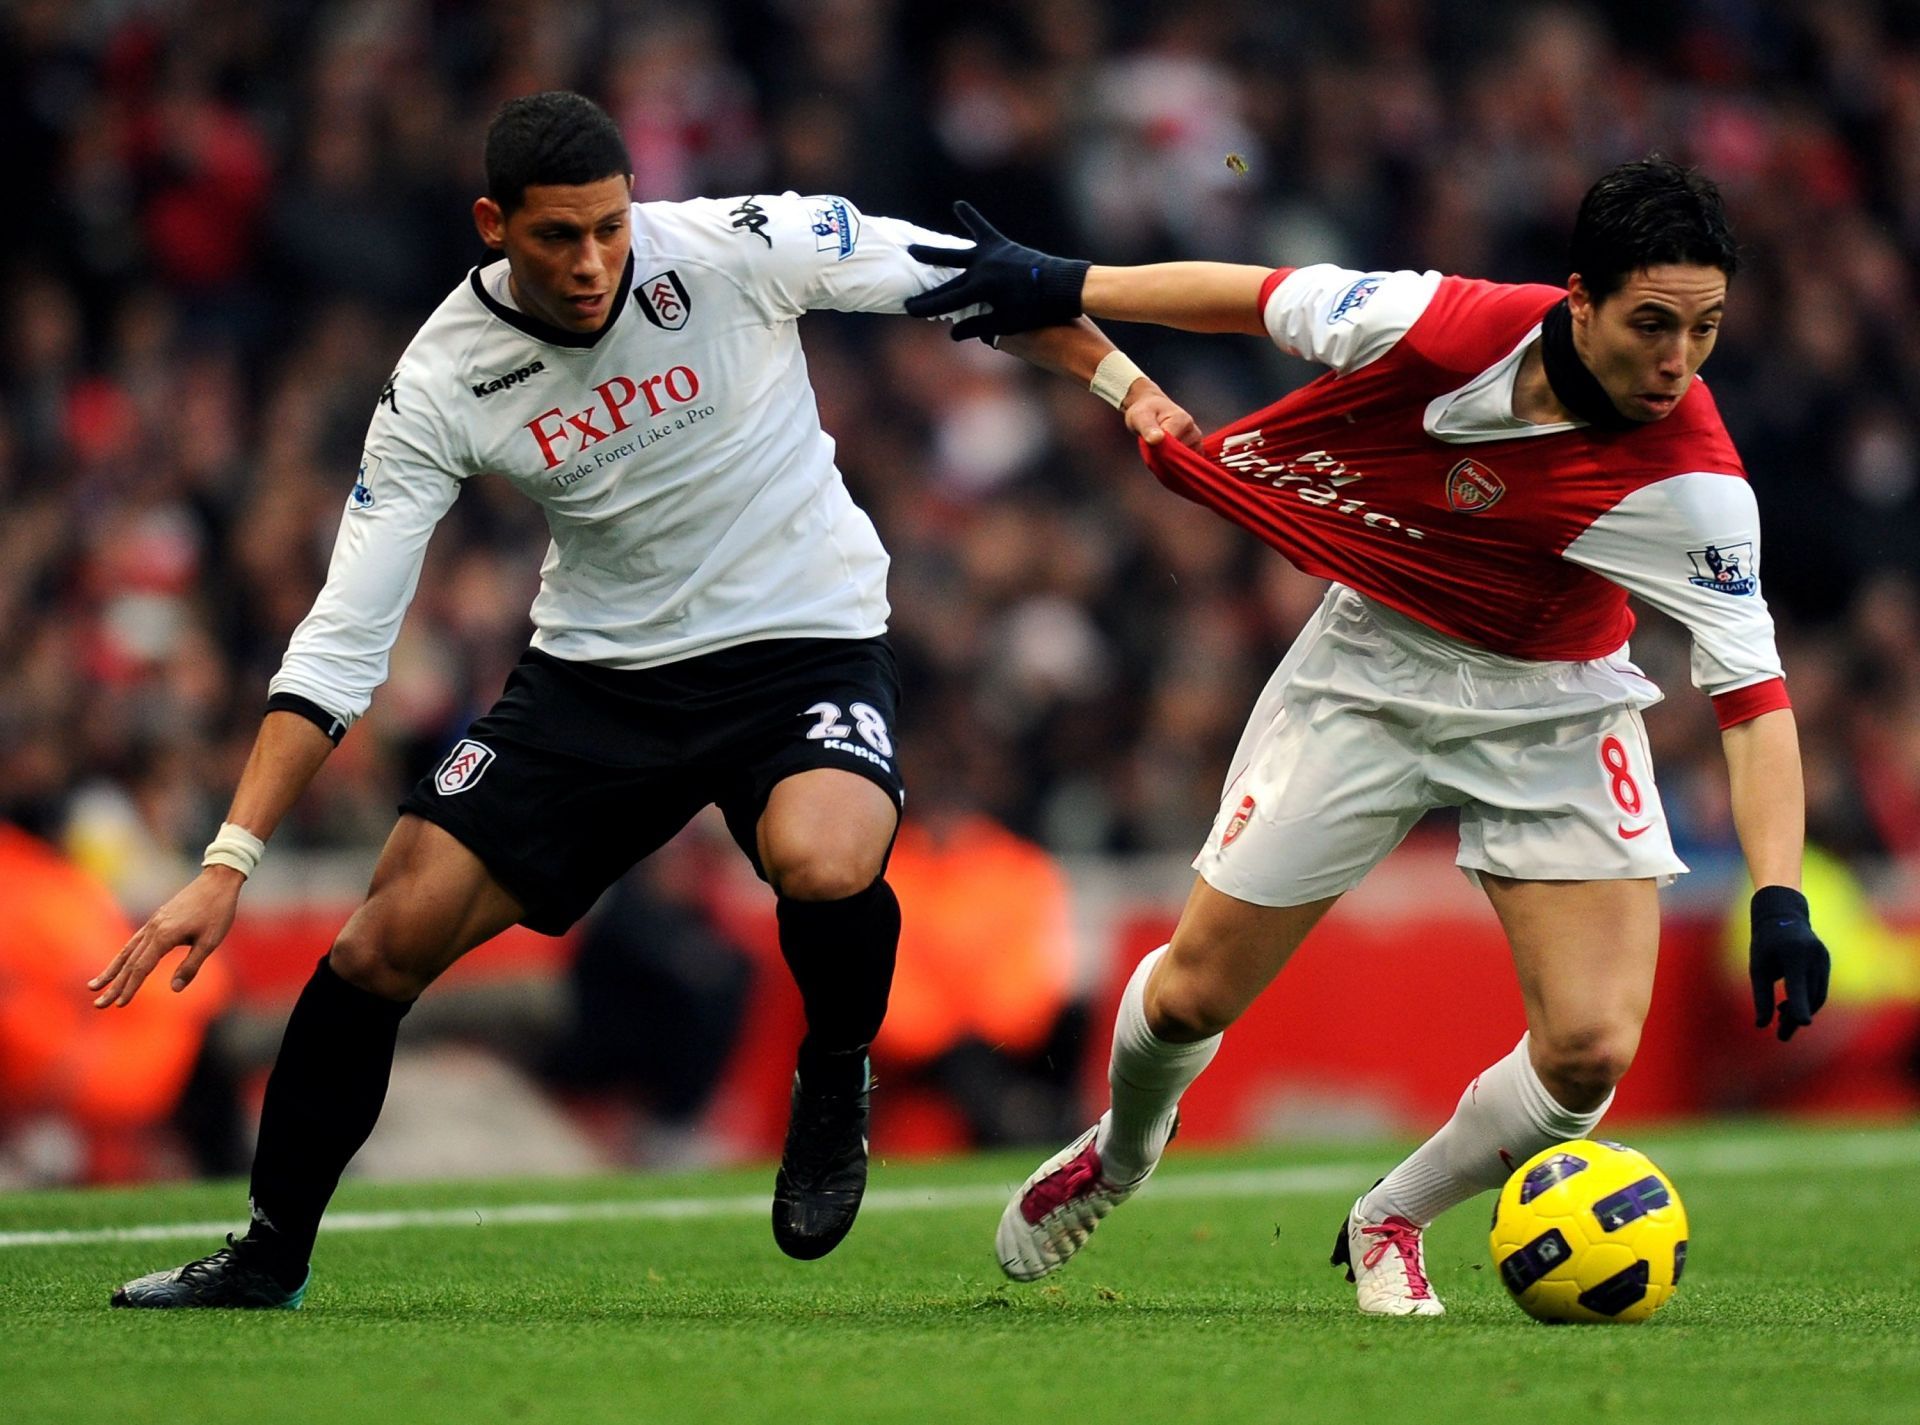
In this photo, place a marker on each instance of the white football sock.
(1504, 1118)
(1147, 1076)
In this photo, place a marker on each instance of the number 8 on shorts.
(1626, 791)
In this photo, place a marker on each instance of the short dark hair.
(1644, 214)
(554, 137)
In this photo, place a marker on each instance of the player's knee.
(1186, 1008)
(1581, 1066)
(367, 959)
(823, 876)
(820, 863)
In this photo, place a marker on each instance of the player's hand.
(1784, 948)
(1152, 415)
(1024, 288)
(199, 918)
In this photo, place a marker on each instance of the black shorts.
(578, 771)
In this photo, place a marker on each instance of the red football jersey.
(1404, 476)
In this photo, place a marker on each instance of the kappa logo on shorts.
(1472, 488)
(464, 766)
(1238, 824)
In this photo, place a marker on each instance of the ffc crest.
(464, 766)
(1472, 488)
(665, 301)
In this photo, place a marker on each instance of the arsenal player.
(710, 628)
(1486, 472)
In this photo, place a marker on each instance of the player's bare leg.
(1584, 952)
(430, 902)
(823, 840)
(1180, 999)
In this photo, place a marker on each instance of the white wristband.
(1114, 377)
(236, 847)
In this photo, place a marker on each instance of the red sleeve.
(1274, 279)
(1746, 704)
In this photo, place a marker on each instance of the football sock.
(1505, 1117)
(323, 1097)
(1147, 1076)
(841, 955)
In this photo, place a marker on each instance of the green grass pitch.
(1206, 1299)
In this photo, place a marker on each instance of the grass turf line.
(1799, 1301)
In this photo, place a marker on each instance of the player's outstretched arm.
(1194, 296)
(1769, 814)
(286, 754)
(1081, 352)
(1026, 289)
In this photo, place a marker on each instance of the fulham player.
(1485, 472)
(709, 629)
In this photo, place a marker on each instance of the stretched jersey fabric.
(1403, 474)
(689, 489)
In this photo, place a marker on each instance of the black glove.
(1025, 288)
(1784, 947)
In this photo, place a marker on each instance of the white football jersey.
(689, 488)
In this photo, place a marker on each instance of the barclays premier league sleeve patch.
(836, 228)
(362, 497)
(1723, 568)
(1355, 297)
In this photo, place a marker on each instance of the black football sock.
(841, 955)
(323, 1098)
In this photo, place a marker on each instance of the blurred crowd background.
(231, 216)
(228, 217)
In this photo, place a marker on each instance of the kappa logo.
(664, 300)
(750, 217)
(1238, 822)
(484, 389)
(835, 228)
(1723, 568)
(1473, 489)
(465, 765)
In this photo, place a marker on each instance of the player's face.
(566, 247)
(1644, 343)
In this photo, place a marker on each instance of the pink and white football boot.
(1385, 1263)
(1056, 1209)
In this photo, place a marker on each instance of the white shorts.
(1372, 719)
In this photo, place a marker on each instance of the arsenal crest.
(665, 301)
(1472, 488)
(1238, 822)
